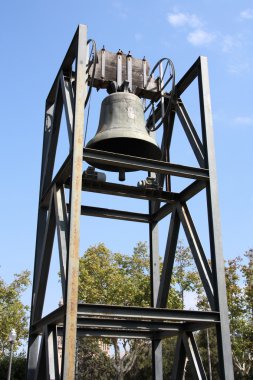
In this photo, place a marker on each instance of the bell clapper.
(122, 175)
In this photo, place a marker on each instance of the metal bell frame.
(156, 322)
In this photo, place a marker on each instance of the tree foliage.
(185, 277)
(18, 369)
(239, 279)
(93, 363)
(13, 313)
(239, 284)
(119, 279)
(114, 278)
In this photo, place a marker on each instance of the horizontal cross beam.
(137, 163)
(148, 313)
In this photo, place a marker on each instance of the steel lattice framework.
(54, 214)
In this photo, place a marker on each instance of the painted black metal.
(156, 322)
(157, 364)
(190, 132)
(137, 163)
(60, 179)
(131, 319)
(130, 191)
(147, 313)
(195, 362)
(169, 258)
(179, 360)
(219, 285)
(43, 268)
(197, 251)
(115, 214)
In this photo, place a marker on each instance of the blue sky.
(34, 37)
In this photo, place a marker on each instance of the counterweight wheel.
(164, 73)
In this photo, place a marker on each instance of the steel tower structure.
(69, 91)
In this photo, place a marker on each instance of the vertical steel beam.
(41, 372)
(52, 350)
(165, 146)
(69, 345)
(157, 367)
(223, 333)
(157, 359)
(32, 356)
(154, 257)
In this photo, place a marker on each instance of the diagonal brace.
(197, 251)
(169, 258)
(192, 353)
(48, 165)
(180, 360)
(62, 232)
(43, 270)
(68, 102)
(190, 132)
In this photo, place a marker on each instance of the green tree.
(118, 279)
(185, 277)
(13, 313)
(207, 345)
(247, 270)
(239, 274)
(114, 278)
(239, 284)
(18, 370)
(93, 363)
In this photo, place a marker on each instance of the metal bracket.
(91, 175)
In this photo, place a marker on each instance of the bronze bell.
(122, 129)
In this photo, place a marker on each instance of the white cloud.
(178, 19)
(200, 37)
(244, 120)
(247, 14)
(229, 42)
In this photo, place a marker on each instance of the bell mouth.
(124, 145)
